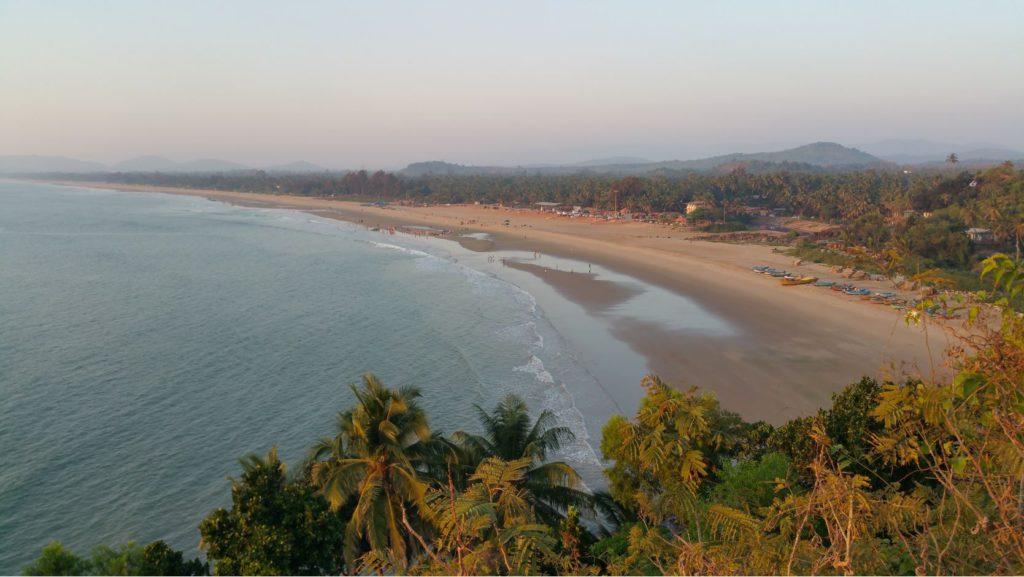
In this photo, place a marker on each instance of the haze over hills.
(915, 151)
(34, 164)
(295, 167)
(612, 160)
(30, 163)
(146, 164)
(818, 156)
(161, 164)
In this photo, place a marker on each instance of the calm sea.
(149, 341)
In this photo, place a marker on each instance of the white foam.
(561, 403)
(535, 366)
(539, 341)
(399, 248)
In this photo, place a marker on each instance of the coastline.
(795, 345)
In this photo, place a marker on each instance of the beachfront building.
(548, 206)
(981, 236)
(695, 205)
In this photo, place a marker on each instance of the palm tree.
(1018, 235)
(551, 487)
(376, 459)
(490, 528)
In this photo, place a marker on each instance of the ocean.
(148, 341)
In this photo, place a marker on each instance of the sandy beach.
(795, 347)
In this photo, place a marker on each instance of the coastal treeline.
(898, 478)
(990, 196)
(918, 218)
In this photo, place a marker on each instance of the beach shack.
(757, 211)
(548, 206)
(981, 236)
(695, 205)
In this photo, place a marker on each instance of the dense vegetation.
(894, 478)
(844, 196)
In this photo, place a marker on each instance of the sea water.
(148, 341)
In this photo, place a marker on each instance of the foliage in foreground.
(155, 558)
(894, 478)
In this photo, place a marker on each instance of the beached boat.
(825, 283)
(797, 280)
(856, 292)
(938, 312)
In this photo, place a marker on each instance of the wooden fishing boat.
(798, 280)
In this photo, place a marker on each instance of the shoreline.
(795, 345)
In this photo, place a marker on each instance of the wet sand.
(580, 287)
(794, 347)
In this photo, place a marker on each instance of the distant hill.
(296, 167)
(161, 164)
(817, 156)
(146, 164)
(611, 160)
(30, 163)
(211, 165)
(825, 154)
(440, 167)
(930, 152)
(34, 164)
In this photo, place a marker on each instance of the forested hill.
(819, 156)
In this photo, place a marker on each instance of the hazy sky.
(381, 84)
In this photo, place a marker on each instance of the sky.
(381, 84)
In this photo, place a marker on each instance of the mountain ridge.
(817, 155)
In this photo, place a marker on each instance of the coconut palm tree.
(490, 528)
(509, 435)
(376, 461)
